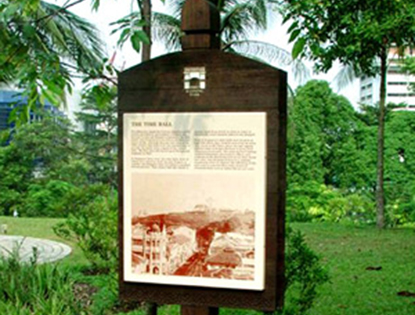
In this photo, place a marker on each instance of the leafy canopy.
(42, 46)
(353, 32)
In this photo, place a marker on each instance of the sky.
(182, 192)
(112, 10)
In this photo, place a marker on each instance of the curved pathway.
(47, 251)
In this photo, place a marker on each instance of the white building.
(156, 251)
(398, 84)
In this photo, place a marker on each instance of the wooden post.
(201, 26)
(199, 310)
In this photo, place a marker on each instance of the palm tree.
(239, 19)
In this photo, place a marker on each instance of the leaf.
(294, 35)
(138, 38)
(292, 27)
(123, 37)
(11, 9)
(287, 17)
(95, 5)
(139, 23)
(298, 47)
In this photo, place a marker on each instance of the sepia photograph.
(193, 225)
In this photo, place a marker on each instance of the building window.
(395, 70)
(399, 94)
(367, 87)
(397, 83)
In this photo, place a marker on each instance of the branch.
(64, 8)
(90, 75)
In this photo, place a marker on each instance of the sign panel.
(195, 199)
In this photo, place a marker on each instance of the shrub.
(45, 199)
(315, 202)
(304, 274)
(401, 211)
(92, 223)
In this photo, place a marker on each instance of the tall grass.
(33, 289)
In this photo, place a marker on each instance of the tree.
(238, 20)
(145, 11)
(400, 166)
(38, 166)
(326, 140)
(99, 134)
(356, 33)
(43, 46)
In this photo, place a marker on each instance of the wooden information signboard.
(202, 149)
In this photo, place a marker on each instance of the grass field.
(347, 252)
(42, 228)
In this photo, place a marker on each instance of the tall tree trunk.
(145, 10)
(380, 196)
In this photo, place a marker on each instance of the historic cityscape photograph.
(195, 228)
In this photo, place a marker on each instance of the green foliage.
(304, 274)
(239, 19)
(42, 44)
(353, 32)
(401, 211)
(45, 160)
(93, 225)
(360, 35)
(400, 167)
(408, 66)
(28, 288)
(46, 199)
(106, 299)
(38, 166)
(131, 27)
(99, 138)
(312, 201)
(332, 159)
(326, 140)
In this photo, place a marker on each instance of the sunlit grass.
(348, 252)
(43, 228)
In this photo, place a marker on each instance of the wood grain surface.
(233, 84)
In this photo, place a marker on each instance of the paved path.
(47, 251)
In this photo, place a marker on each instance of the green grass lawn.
(43, 228)
(346, 252)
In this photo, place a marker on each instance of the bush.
(401, 211)
(28, 288)
(45, 199)
(92, 223)
(315, 202)
(304, 274)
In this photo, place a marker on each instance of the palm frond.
(72, 36)
(346, 76)
(176, 7)
(166, 29)
(240, 19)
(271, 54)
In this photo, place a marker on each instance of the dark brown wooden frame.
(234, 84)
